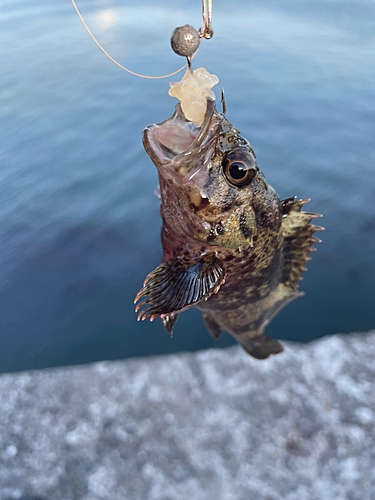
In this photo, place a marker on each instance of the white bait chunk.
(193, 91)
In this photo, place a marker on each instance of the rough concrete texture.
(212, 425)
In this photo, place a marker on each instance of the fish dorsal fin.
(176, 285)
(297, 233)
(298, 240)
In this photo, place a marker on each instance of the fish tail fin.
(261, 346)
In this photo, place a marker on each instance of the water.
(79, 222)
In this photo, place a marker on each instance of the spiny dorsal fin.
(176, 285)
(298, 240)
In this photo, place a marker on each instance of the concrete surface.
(212, 425)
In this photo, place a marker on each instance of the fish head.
(212, 190)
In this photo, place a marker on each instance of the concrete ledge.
(212, 425)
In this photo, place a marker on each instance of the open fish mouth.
(177, 146)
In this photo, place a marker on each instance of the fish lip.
(170, 163)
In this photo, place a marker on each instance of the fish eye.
(239, 168)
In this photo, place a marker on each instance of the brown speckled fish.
(231, 248)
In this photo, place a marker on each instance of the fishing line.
(205, 32)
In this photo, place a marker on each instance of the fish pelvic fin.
(261, 346)
(177, 285)
(169, 322)
(298, 240)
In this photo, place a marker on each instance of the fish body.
(231, 247)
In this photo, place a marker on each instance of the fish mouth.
(177, 147)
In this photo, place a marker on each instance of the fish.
(231, 247)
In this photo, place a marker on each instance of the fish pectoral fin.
(177, 285)
(213, 328)
(261, 346)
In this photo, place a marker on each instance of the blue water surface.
(79, 222)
